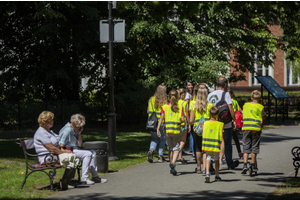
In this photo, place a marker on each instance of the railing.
(24, 115)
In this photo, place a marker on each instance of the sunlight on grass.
(131, 149)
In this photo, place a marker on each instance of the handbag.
(152, 121)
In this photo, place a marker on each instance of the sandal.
(203, 173)
(198, 170)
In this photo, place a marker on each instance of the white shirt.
(215, 96)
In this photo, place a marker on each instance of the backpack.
(152, 122)
(224, 112)
(199, 128)
(239, 119)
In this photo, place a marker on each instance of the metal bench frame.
(51, 162)
(296, 159)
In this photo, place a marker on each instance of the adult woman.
(154, 105)
(70, 136)
(45, 141)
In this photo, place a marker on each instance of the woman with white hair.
(70, 138)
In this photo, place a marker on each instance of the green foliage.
(47, 47)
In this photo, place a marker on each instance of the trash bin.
(101, 149)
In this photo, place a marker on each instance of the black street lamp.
(111, 106)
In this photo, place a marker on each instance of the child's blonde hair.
(173, 98)
(182, 93)
(201, 100)
(214, 111)
(160, 96)
(256, 95)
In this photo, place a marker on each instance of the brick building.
(281, 73)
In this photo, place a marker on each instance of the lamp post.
(111, 106)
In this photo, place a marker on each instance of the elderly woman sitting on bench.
(45, 141)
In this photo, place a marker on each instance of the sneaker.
(161, 159)
(218, 178)
(150, 156)
(253, 172)
(207, 179)
(97, 179)
(173, 169)
(235, 164)
(182, 161)
(87, 181)
(244, 171)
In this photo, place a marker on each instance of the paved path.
(153, 180)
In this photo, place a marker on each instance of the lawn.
(131, 149)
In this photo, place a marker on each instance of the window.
(260, 70)
(292, 79)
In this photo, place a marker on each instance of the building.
(281, 72)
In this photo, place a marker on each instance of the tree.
(47, 47)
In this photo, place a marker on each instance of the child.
(253, 115)
(182, 103)
(154, 105)
(236, 107)
(172, 115)
(211, 142)
(200, 109)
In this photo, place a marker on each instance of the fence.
(23, 115)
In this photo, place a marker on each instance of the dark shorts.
(251, 141)
(198, 142)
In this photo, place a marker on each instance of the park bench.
(296, 159)
(51, 162)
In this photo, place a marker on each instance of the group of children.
(178, 116)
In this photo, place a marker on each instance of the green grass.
(288, 189)
(131, 149)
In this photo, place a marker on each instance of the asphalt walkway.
(153, 180)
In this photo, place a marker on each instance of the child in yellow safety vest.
(171, 114)
(253, 116)
(182, 103)
(154, 106)
(199, 114)
(211, 142)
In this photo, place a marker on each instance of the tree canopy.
(47, 47)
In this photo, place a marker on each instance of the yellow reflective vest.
(191, 105)
(252, 117)
(172, 120)
(235, 105)
(182, 105)
(153, 109)
(212, 136)
(198, 115)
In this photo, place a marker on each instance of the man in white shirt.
(214, 97)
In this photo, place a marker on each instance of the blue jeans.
(227, 137)
(161, 142)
